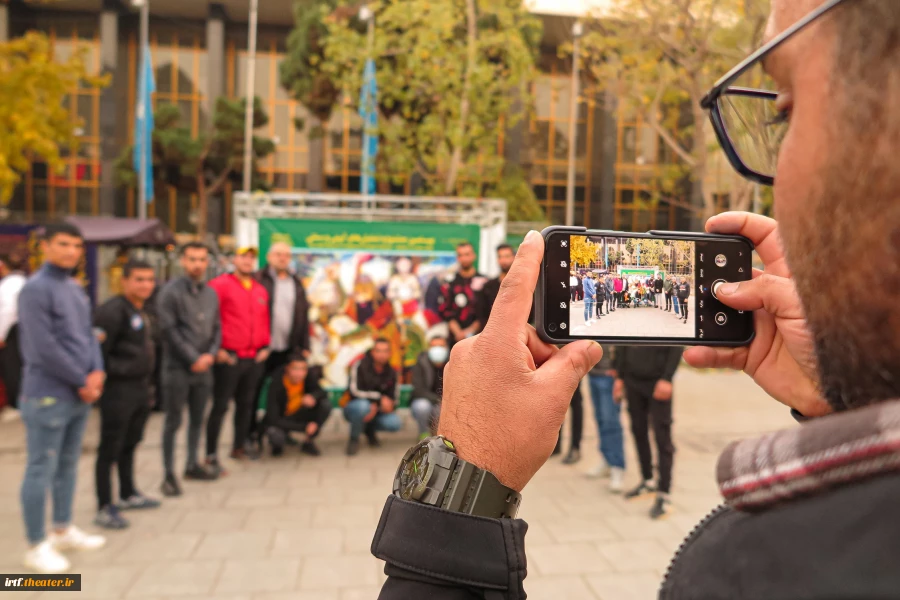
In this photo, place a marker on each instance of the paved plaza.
(300, 528)
(642, 321)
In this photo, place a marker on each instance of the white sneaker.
(9, 414)
(44, 558)
(76, 539)
(599, 472)
(616, 480)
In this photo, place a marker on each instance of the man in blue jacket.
(63, 376)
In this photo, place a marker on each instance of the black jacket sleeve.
(619, 361)
(673, 359)
(312, 386)
(441, 555)
(421, 389)
(300, 330)
(110, 319)
(168, 324)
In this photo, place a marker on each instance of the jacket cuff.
(453, 548)
(798, 416)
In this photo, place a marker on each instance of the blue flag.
(368, 110)
(143, 126)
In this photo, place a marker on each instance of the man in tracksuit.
(644, 375)
(63, 376)
(374, 392)
(244, 311)
(683, 290)
(188, 312)
(126, 339)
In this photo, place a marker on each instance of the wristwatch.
(431, 473)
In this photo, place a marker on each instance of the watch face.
(414, 477)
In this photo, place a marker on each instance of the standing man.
(374, 392)
(12, 280)
(606, 411)
(600, 287)
(189, 318)
(63, 375)
(574, 283)
(644, 377)
(668, 287)
(505, 257)
(288, 307)
(129, 353)
(590, 294)
(428, 385)
(295, 402)
(657, 291)
(684, 292)
(619, 287)
(244, 311)
(611, 299)
(462, 296)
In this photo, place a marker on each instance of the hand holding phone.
(657, 288)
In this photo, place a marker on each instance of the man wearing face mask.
(428, 384)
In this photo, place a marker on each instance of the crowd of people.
(610, 292)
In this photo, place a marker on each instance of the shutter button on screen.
(715, 287)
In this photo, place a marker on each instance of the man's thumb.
(572, 362)
(776, 295)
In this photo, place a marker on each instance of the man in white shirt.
(12, 278)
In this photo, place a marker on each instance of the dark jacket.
(668, 286)
(606, 363)
(600, 290)
(424, 378)
(683, 290)
(299, 336)
(369, 384)
(56, 335)
(646, 364)
(128, 350)
(658, 285)
(189, 319)
(276, 403)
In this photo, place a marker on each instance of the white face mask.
(438, 354)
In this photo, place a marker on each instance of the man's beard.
(845, 257)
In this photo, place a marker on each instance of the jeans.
(588, 309)
(609, 426)
(240, 382)
(357, 409)
(180, 389)
(646, 412)
(425, 413)
(676, 302)
(54, 428)
(124, 408)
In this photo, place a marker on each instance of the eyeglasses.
(747, 122)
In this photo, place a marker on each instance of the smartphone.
(633, 268)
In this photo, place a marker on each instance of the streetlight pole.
(144, 5)
(250, 96)
(577, 30)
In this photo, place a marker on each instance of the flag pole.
(250, 96)
(143, 108)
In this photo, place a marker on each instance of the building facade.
(199, 53)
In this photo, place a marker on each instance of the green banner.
(375, 237)
(641, 271)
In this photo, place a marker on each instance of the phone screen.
(643, 287)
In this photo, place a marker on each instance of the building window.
(548, 147)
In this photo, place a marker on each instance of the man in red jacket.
(244, 310)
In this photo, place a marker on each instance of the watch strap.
(475, 491)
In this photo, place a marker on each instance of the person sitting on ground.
(428, 384)
(374, 391)
(295, 402)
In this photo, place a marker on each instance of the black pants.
(180, 389)
(577, 406)
(237, 381)
(277, 431)
(684, 308)
(599, 305)
(668, 301)
(124, 408)
(11, 367)
(646, 412)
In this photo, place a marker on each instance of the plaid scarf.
(824, 453)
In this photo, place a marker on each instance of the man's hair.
(13, 261)
(297, 357)
(504, 247)
(193, 246)
(381, 340)
(135, 264)
(465, 245)
(63, 228)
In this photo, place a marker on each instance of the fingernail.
(728, 288)
(530, 236)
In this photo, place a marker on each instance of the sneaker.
(198, 473)
(277, 451)
(170, 487)
(599, 472)
(44, 558)
(644, 488)
(572, 457)
(291, 440)
(251, 452)
(310, 448)
(76, 539)
(10, 414)
(616, 480)
(353, 448)
(138, 502)
(213, 466)
(109, 517)
(661, 507)
(373, 440)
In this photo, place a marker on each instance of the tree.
(662, 56)
(448, 73)
(304, 79)
(34, 122)
(582, 251)
(200, 165)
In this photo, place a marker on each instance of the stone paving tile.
(341, 572)
(247, 544)
(630, 556)
(178, 578)
(260, 575)
(165, 546)
(308, 542)
(212, 520)
(277, 518)
(630, 586)
(567, 559)
(570, 587)
(302, 595)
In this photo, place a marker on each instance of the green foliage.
(34, 122)
(441, 108)
(301, 72)
(521, 203)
